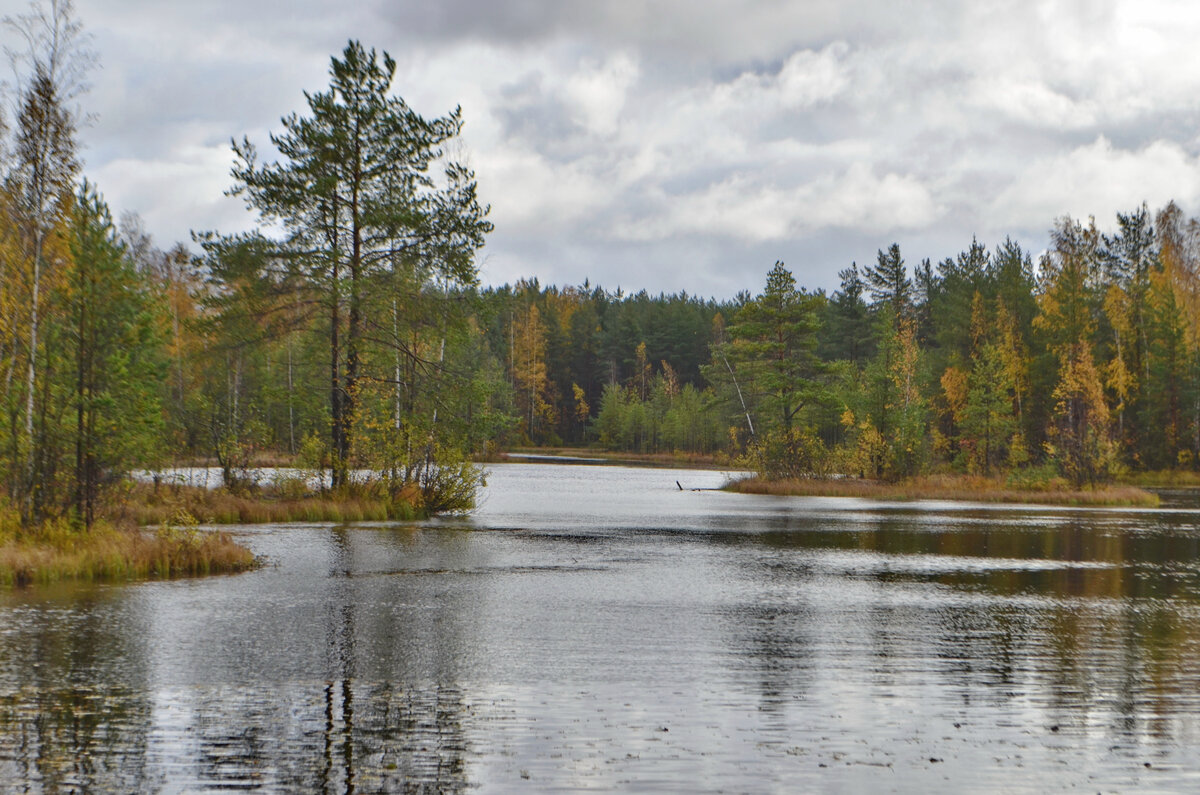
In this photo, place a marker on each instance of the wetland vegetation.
(959, 487)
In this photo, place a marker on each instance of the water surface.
(598, 628)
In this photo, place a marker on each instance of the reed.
(947, 487)
(125, 544)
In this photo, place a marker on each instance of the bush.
(1042, 477)
(450, 487)
(786, 454)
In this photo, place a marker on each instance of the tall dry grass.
(55, 551)
(125, 545)
(949, 487)
(142, 504)
(1167, 479)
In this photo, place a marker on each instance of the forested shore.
(1082, 366)
(351, 333)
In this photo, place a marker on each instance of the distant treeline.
(1084, 364)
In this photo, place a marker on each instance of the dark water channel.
(596, 628)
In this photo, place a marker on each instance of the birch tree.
(50, 64)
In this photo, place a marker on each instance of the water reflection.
(601, 629)
(309, 737)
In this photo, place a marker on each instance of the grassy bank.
(144, 505)
(55, 551)
(149, 532)
(1166, 479)
(947, 487)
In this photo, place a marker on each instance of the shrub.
(1042, 477)
(786, 454)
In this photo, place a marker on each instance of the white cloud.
(175, 194)
(1099, 180)
(1028, 100)
(743, 208)
(806, 79)
(529, 192)
(860, 200)
(597, 93)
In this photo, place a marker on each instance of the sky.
(684, 144)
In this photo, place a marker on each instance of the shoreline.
(54, 552)
(961, 488)
(156, 534)
(585, 455)
(153, 534)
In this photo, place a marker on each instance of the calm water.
(597, 628)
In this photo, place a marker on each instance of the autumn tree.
(1130, 258)
(531, 386)
(50, 65)
(1068, 310)
(987, 416)
(905, 413)
(884, 407)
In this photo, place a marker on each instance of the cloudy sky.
(685, 144)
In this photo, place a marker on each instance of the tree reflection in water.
(342, 736)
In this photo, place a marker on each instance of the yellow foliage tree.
(1079, 432)
(1080, 437)
(532, 386)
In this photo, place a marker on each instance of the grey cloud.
(687, 145)
(715, 31)
(528, 113)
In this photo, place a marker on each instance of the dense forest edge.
(350, 340)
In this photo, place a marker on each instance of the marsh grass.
(55, 551)
(143, 504)
(1169, 478)
(949, 487)
(150, 532)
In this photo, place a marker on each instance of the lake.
(597, 628)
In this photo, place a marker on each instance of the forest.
(1083, 365)
(351, 334)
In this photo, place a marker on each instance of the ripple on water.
(628, 636)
